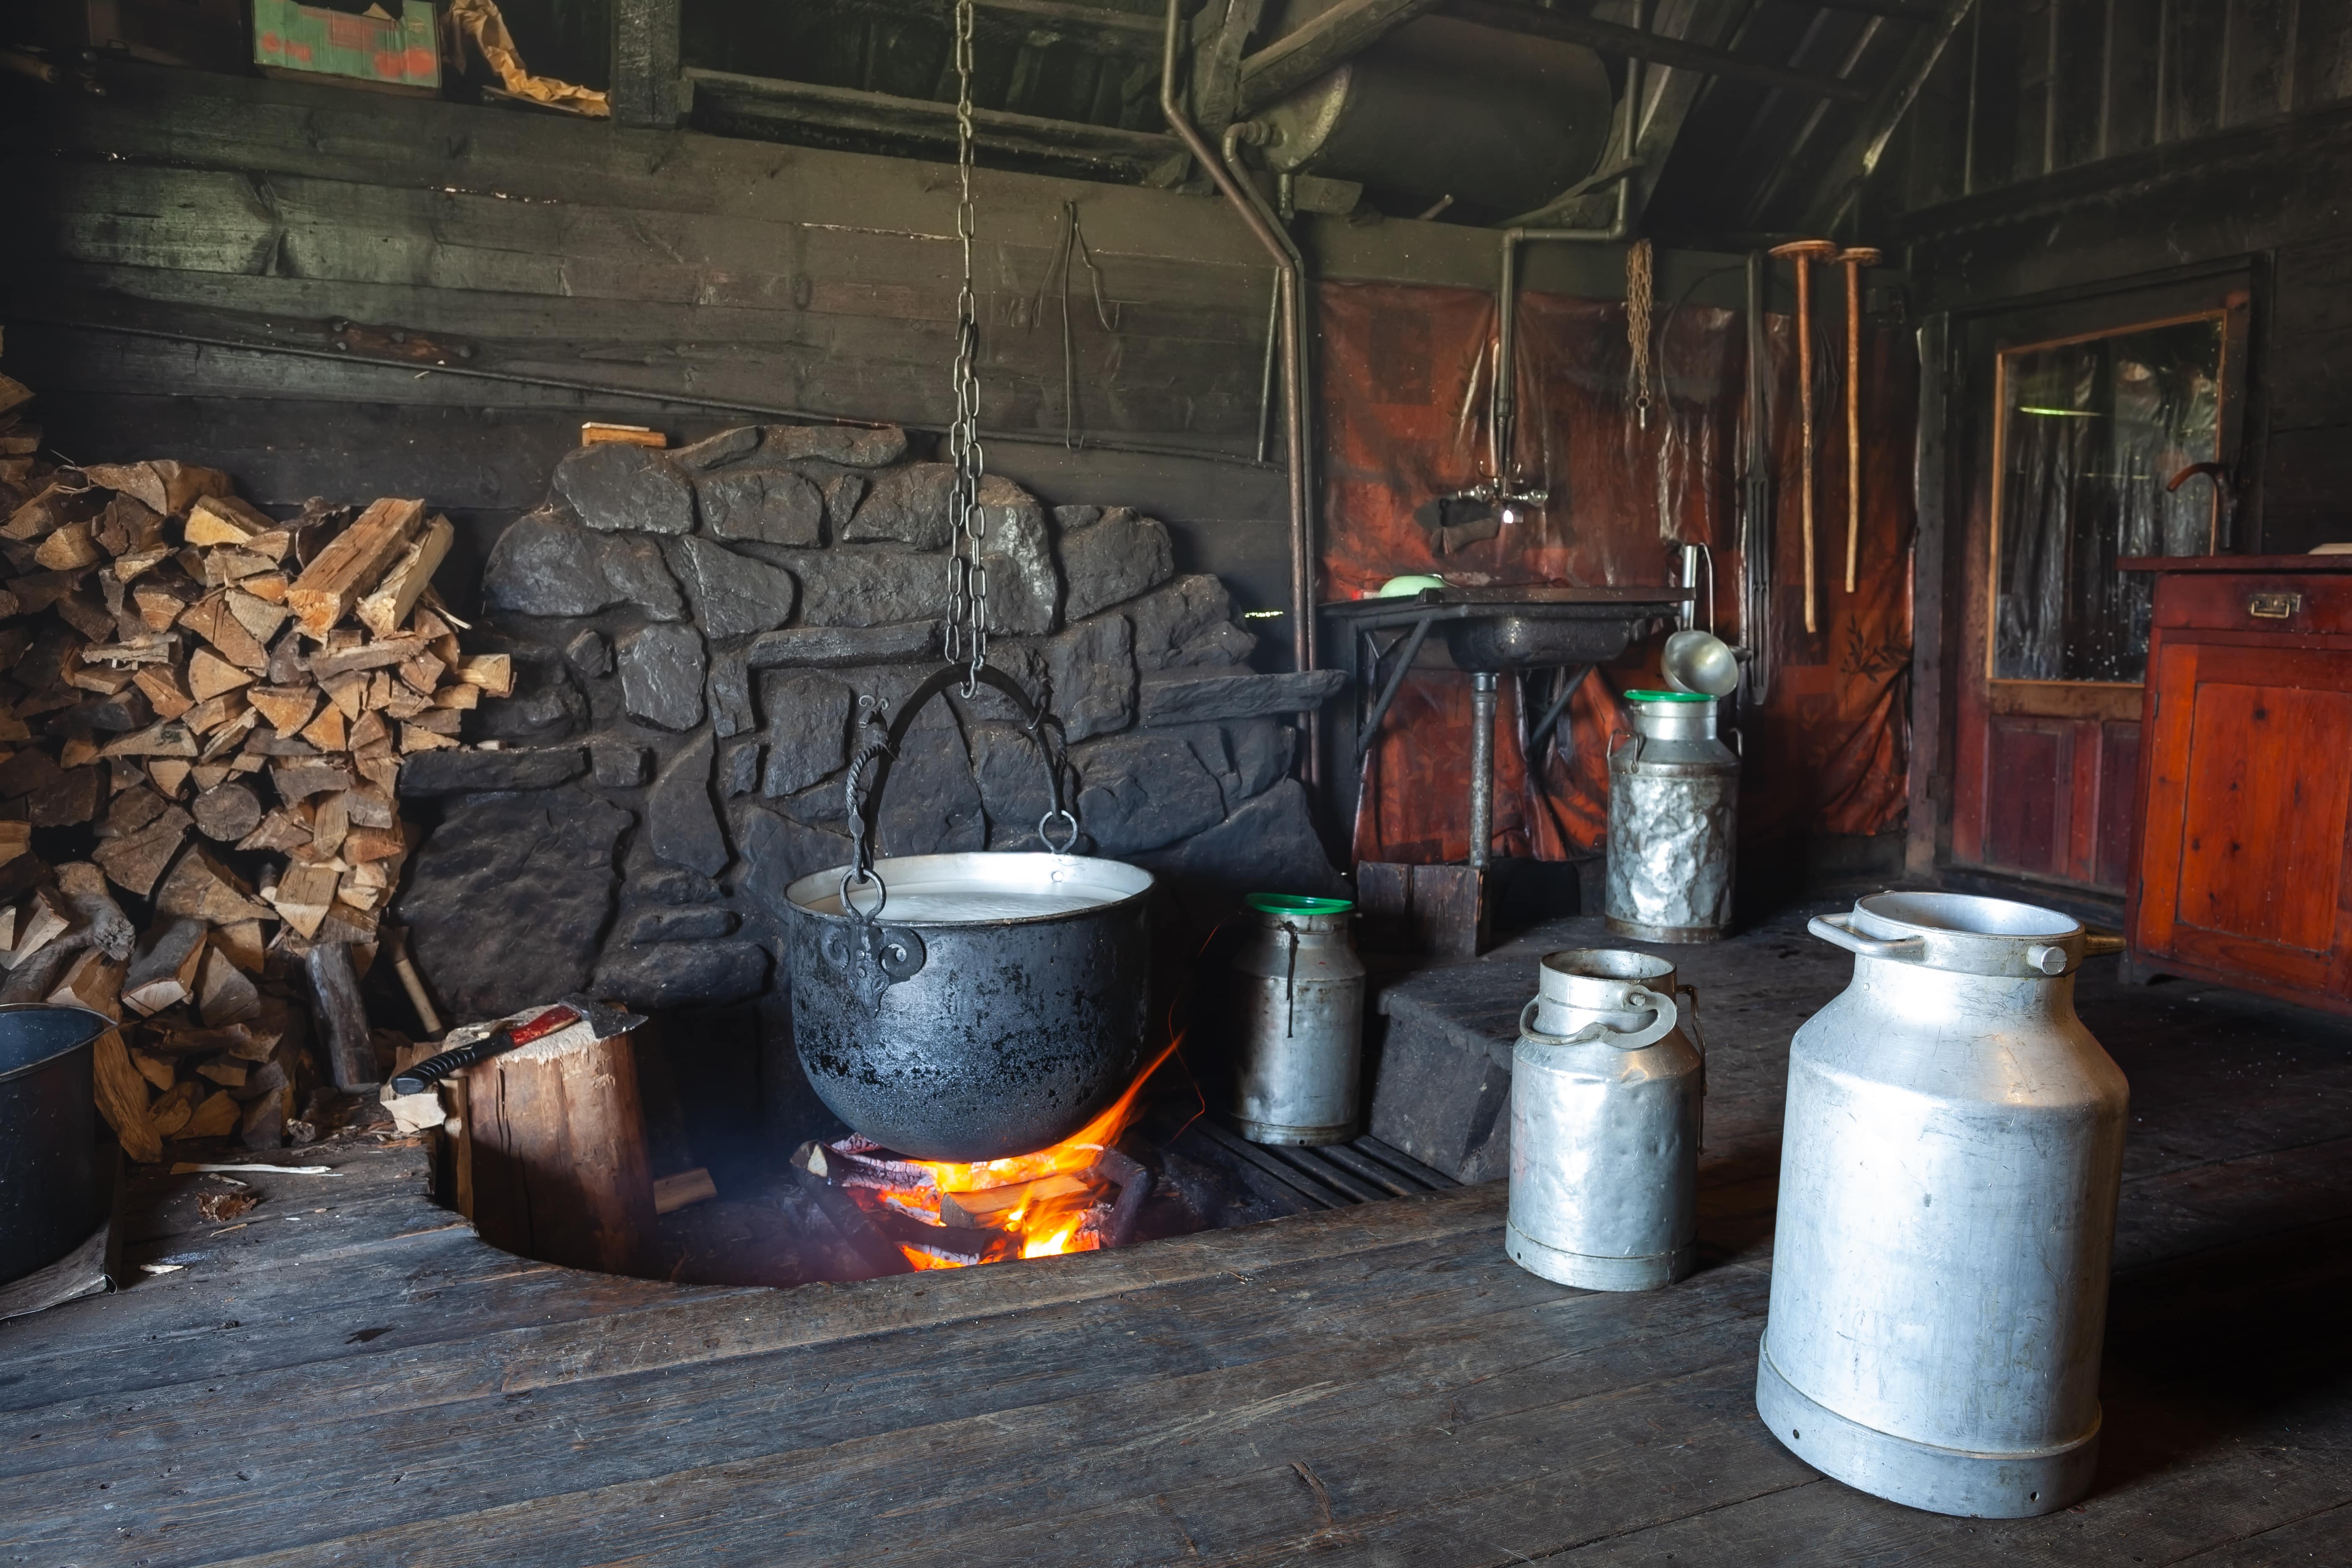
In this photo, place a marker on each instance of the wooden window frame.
(2012, 695)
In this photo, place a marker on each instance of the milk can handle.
(1664, 1017)
(1835, 932)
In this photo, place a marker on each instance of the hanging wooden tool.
(1804, 253)
(1853, 259)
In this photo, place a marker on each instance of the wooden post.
(644, 89)
(342, 1018)
(551, 1150)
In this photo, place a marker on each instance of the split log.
(122, 1098)
(202, 886)
(228, 812)
(215, 1117)
(683, 1190)
(103, 924)
(352, 562)
(137, 859)
(342, 1018)
(388, 603)
(164, 971)
(553, 1149)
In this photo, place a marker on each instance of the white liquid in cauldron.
(975, 906)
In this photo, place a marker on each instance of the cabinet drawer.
(2290, 604)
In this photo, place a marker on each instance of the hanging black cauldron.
(969, 1007)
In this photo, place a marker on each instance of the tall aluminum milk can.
(1948, 1173)
(1607, 1086)
(1674, 799)
(1297, 991)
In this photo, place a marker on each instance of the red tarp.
(1403, 387)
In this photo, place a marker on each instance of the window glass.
(2090, 434)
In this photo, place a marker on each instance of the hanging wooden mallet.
(1804, 253)
(1853, 260)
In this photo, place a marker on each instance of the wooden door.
(2077, 433)
(2246, 856)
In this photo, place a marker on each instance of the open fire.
(1078, 1195)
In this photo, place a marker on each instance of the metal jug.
(1673, 801)
(1948, 1174)
(1298, 1016)
(1608, 1083)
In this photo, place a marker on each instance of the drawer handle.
(2273, 606)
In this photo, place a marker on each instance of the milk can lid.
(1297, 904)
(1668, 696)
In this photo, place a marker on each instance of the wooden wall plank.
(2258, 82)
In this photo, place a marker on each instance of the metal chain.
(1637, 325)
(967, 628)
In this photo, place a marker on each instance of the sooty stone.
(933, 806)
(693, 924)
(869, 586)
(590, 654)
(617, 486)
(1189, 696)
(807, 730)
(839, 647)
(683, 975)
(1112, 560)
(843, 490)
(1025, 588)
(661, 675)
(1091, 668)
(739, 766)
(546, 564)
(673, 885)
(773, 505)
(470, 772)
(1269, 845)
(731, 593)
(779, 851)
(679, 819)
(731, 712)
(504, 901)
(908, 506)
(718, 451)
(852, 446)
(1174, 622)
(615, 764)
(1141, 791)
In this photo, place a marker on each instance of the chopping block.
(548, 1158)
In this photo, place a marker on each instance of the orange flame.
(1044, 1227)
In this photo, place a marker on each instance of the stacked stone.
(691, 633)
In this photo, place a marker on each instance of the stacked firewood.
(212, 704)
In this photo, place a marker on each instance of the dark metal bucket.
(50, 1197)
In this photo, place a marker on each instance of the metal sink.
(1508, 640)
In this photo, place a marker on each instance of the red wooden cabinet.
(2243, 857)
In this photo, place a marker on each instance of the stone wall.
(692, 632)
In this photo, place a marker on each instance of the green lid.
(1297, 904)
(1668, 696)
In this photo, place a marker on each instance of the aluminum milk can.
(1674, 796)
(1948, 1173)
(1298, 1015)
(1607, 1086)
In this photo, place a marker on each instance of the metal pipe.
(1503, 410)
(1483, 686)
(1289, 270)
(1266, 373)
(1504, 417)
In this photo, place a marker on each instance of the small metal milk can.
(1607, 1086)
(1297, 1014)
(1674, 799)
(1948, 1173)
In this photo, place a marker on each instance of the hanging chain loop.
(967, 623)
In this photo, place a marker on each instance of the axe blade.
(607, 1020)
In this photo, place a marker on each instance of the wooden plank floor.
(350, 1377)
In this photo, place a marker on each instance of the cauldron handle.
(874, 761)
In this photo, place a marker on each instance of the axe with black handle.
(607, 1021)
